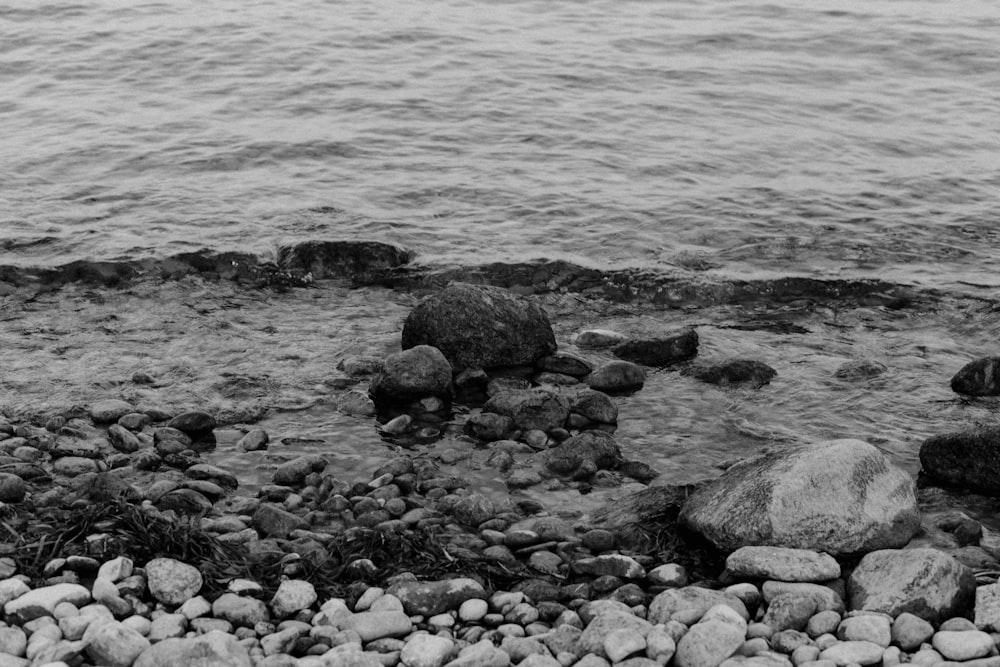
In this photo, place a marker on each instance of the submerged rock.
(479, 326)
(841, 497)
(732, 371)
(584, 454)
(616, 376)
(533, 409)
(980, 377)
(324, 259)
(925, 582)
(860, 369)
(965, 458)
(664, 350)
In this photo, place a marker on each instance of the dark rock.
(204, 471)
(594, 405)
(617, 376)
(489, 426)
(324, 259)
(732, 371)
(413, 373)
(273, 521)
(294, 472)
(860, 369)
(842, 497)
(361, 365)
(193, 423)
(925, 582)
(596, 448)
(978, 378)
(664, 350)
(478, 326)
(256, 439)
(184, 501)
(12, 488)
(565, 363)
(599, 338)
(533, 409)
(640, 471)
(970, 458)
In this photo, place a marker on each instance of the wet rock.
(123, 439)
(616, 377)
(587, 452)
(327, 259)
(215, 649)
(257, 439)
(204, 471)
(840, 497)
(273, 521)
(489, 426)
(185, 502)
(533, 409)
(969, 458)
(665, 350)
(980, 377)
(356, 404)
(478, 326)
(294, 472)
(596, 338)
(71, 466)
(413, 373)
(924, 582)
(782, 564)
(109, 410)
(474, 509)
(171, 581)
(594, 405)
(732, 371)
(194, 423)
(860, 369)
(428, 598)
(12, 488)
(616, 565)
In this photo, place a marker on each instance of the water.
(708, 139)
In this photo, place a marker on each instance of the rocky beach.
(181, 507)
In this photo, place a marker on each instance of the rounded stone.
(12, 488)
(171, 581)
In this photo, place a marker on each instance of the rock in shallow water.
(732, 371)
(480, 326)
(969, 458)
(980, 377)
(841, 497)
(665, 350)
(413, 373)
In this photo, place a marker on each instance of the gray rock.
(42, 601)
(709, 642)
(220, 476)
(782, 564)
(593, 636)
(413, 373)
(860, 369)
(428, 598)
(372, 625)
(357, 403)
(194, 423)
(847, 653)
(489, 426)
(616, 565)
(293, 595)
(109, 410)
(874, 628)
(594, 405)
(664, 350)
(113, 644)
(589, 451)
(841, 497)
(963, 645)
(565, 364)
(826, 599)
(12, 488)
(294, 472)
(909, 631)
(599, 338)
(479, 326)
(213, 649)
(273, 521)
(326, 259)
(616, 377)
(924, 582)
(481, 654)
(123, 439)
(424, 650)
(969, 458)
(539, 409)
(257, 439)
(243, 612)
(691, 603)
(980, 377)
(789, 612)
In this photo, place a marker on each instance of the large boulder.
(980, 377)
(480, 326)
(970, 458)
(925, 582)
(412, 374)
(842, 497)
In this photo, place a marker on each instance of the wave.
(379, 264)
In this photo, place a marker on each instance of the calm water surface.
(791, 138)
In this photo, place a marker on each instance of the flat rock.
(691, 602)
(294, 472)
(372, 625)
(857, 652)
(42, 601)
(924, 582)
(481, 326)
(782, 564)
(428, 598)
(110, 410)
(841, 497)
(240, 611)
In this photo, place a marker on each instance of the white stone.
(11, 589)
(292, 595)
(279, 642)
(782, 564)
(140, 624)
(988, 608)
(660, 645)
(368, 597)
(423, 650)
(171, 581)
(42, 601)
(473, 610)
(669, 574)
(196, 607)
(962, 644)
(387, 602)
(13, 641)
(846, 653)
(104, 590)
(371, 625)
(620, 644)
(707, 644)
(116, 569)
